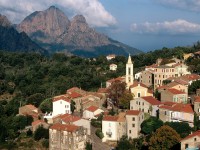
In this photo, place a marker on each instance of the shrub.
(99, 133)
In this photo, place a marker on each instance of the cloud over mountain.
(93, 10)
(176, 27)
(192, 5)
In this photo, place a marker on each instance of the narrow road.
(97, 144)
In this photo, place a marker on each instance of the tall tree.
(116, 90)
(164, 138)
(124, 100)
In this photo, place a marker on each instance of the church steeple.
(129, 72)
(129, 60)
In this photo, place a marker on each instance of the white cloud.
(93, 10)
(174, 27)
(192, 5)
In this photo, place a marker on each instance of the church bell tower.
(129, 72)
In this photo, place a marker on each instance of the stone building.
(67, 137)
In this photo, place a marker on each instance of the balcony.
(109, 133)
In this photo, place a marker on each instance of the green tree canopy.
(182, 128)
(150, 125)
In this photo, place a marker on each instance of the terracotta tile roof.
(64, 127)
(110, 118)
(37, 122)
(175, 91)
(92, 108)
(186, 108)
(67, 118)
(136, 83)
(102, 90)
(197, 99)
(74, 95)
(133, 112)
(116, 79)
(197, 133)
(192, 77)
(61, 97)
(180, 81)
(152, 66)
(32, 107)
(77, 90)
(151, 100)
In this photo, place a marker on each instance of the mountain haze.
(52, 30)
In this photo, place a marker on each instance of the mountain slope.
(52, 30)
(11, 40)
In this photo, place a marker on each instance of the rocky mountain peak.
(79, 19)
(4, 21)
(45, 26)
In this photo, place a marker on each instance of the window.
(133, 119)
(143, 103)
(130, 131)
(139, 103)
(133, 125)
(65, 106)
(131, 108)
(60, 102)
(129, 71)
(195, 139)
(165, 113)
(186, 146)
(139, 96)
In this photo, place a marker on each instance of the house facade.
(176, 112)
(147, 104)
(139, 90)
(134, 118)
(61, 105)
(113, 67)
(191, 142)
(113, 127)
(67, 137)
(92, 112)
(174, 95)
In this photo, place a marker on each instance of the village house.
(113, 67)
(174, 85)
(147, 104)
(185, 79)
(186, 56)
(174, 95)
(71, 137)
(114, 127)
(30, 110)
(92, 112)
(111, 56)
(134, 119)
(176, 112)
(191, 142)
(181, 69)
(147, 77)
(137, 75)
(197, 105)
(111, 81)
(139, 90)
(38, 123)
(75, 120)
(61, 105)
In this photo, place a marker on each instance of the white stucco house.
(61, 105)
(114, 127)
(113, 67)
(92, 112)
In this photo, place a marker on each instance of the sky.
(143, 24)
